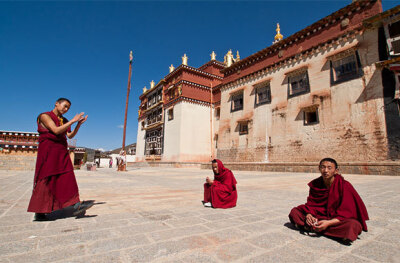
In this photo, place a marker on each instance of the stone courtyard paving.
(155, 214)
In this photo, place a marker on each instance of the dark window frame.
(235, 97)
(296, 77)
(307, 123)
(170, 114)
(217, 113)
(357, 73)
(242, 130)
(267, 100)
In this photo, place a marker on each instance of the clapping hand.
(78, 117)
(209, 181)
(82, 120)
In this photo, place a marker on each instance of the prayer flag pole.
(123, 166)
(211, 121)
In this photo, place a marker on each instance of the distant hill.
(91, 152)
(118, 150)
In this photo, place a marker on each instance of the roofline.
(283, 61)
(155, 87)
(379, 17)
(216, 62)
(190, 68)
(298, 34)
(1, 131)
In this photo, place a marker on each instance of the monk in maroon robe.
(54, 185)
(220, 192)
(333, 206)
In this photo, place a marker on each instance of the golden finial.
(213, 56)
(278, 36)
(144, 89)
(171, 68)
(130, 56)
(184, 59)
(228, 58)
(237, 56)
(152, 84)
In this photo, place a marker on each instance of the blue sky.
(80, 50)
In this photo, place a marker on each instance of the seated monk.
(333, 206)
(220, 192)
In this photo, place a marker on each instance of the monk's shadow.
(69, 212)
(316, 235)
(302, 231)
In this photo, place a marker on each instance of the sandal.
(82, 207)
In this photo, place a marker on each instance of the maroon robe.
(222, 193)
(54, 185)
(340, 201)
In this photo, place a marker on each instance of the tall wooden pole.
(126, 106)
(211, 122)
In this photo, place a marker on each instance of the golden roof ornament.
(228, 58)
(213, 56)
(278, 36)
(144, 89)
(237, 56)
(171, 68)
(152, 84)
(184, 59)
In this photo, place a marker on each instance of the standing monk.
(54, 185)
(220, 192)
(333, 206)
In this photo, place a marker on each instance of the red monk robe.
(340, 201)
(222, 193)
(54, 185)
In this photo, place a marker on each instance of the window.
(159, 96)
(243, 128)
(143, 124)
(394, 34)
(263, 94)
(311, 116)
(171, 94)
(154, 142)
(237, 102)
(217, 113)
(394, 29)
(345, 68)
(298, 84)
(171, 114)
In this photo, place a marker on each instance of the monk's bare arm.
(49, 124)
(75, 131)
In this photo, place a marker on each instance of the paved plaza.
(155, 214)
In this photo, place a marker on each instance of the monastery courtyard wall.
(155, 215)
